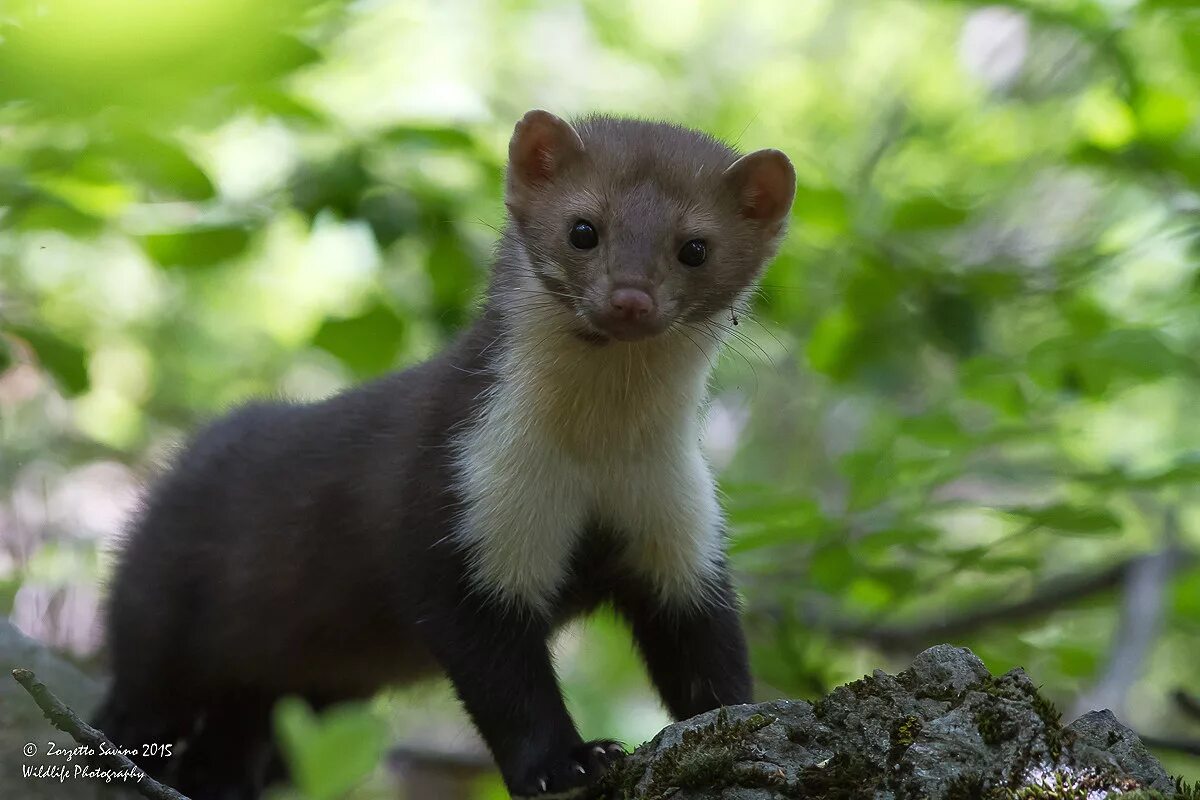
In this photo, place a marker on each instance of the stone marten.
(449, 517)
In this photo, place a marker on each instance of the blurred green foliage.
(971, 374)
(330, 754)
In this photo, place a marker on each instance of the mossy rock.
(945, 728)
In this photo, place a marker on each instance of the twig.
(403, 756)
(67, 721)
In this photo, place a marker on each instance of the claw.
(579, 768)
(542, 784)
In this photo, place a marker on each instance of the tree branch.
(1189, 746)
(67, 721)
(1050, 597)
(1189, 704)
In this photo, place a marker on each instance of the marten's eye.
(584, 236)
(693, 253)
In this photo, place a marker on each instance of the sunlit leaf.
(429, 136)
(77, 57)
(331, 753)
(1105, 119)
(1185, 595)
(197, 247)
(51, 213)
(1164, 114)
(870, 594)
(284, 105)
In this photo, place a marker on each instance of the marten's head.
(638, 227)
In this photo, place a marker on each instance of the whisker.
(744, 338)
(703, 352)
(721, 343)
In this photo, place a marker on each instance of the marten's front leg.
(696, 654)
(499, 662)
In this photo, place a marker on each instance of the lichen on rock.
(944, 728)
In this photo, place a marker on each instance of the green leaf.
(953, 322)
(390, 213)
(904, 537)
(367, 343)
(1185, 595)
(65, 360)
(830, 343)
(452, 269)
(1105, 119)
(197, 247)
(870, 594)
(6, 358)
(988, 380)
(769, 523)
(1185, 471)
(927, 212)
(284, 105)
(1094, 365)
(432, 136)
(330, 754)
(1070, 519)
(337, 183)
(160, 164)
(1076, 661)
(279, 54)
(831, 567)
(821, 208)
(936, 429)
(51, 213)
(1163, 114)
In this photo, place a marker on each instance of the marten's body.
(447, 518)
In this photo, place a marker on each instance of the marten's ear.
(542, 144)
(765, 184)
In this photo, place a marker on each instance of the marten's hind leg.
(231, 755)
(148, 733)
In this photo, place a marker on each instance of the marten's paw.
(565, 774)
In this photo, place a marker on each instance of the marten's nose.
(629, 314)
(631, 305)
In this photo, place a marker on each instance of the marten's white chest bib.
(575, 433)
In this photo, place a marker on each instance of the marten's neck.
(595, 399)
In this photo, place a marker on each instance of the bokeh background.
(966, 407)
